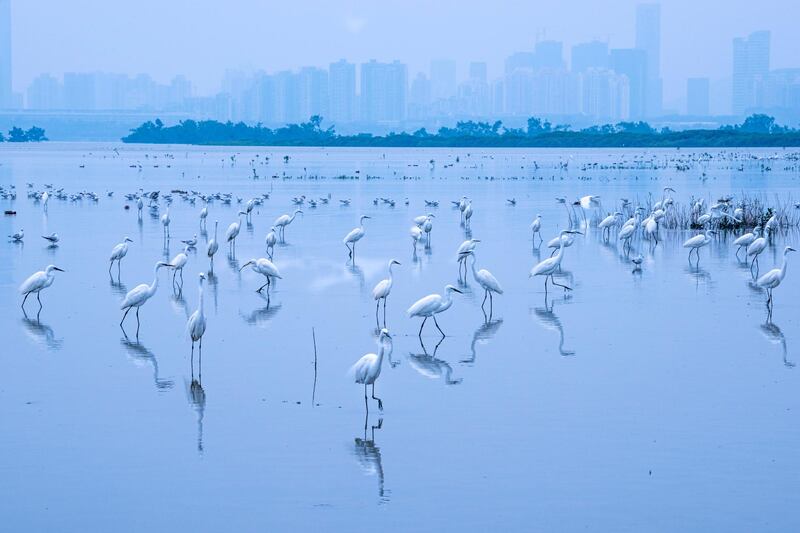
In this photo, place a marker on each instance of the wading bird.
(698, 241)
(52, 238)
(462, 253)
(266, 268)
(432, 305)
(37, 282)
(117, 253)
(548, 267)
(746, 240)
(18, 236)
(271, 240)
(382, 290)
(233, 232)
(203, 216)
(755, 249)
(773, 278)
(486, 280)
(536, 229)
(165, 220)
(178, 262)
(284, 220)
(368, 368)
(139, 295)
(196, 325)
(213, 246)
(354, 236)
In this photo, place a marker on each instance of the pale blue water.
(660, 401)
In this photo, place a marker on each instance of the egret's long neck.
(390, 273)
(216, 225)
(560, 249)
(200, 306)
(783, 266)
(474, 272)
(154, 285)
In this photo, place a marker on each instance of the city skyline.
(596, 79)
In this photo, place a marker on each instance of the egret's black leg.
(420, 328)
(380, 402)
(437, 326)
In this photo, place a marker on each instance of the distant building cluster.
(600, 84)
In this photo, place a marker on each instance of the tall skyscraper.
(750, 63)
(383, 91)
(605, 95)
(549, 54)
(632, 62)
(6, 97)
(648, 39)
(342, 91)
(697, 97)
(589, 55)
(443, 79)
(44, 92)
(478, 71)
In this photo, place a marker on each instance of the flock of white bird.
(367, 369)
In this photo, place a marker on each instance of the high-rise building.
(79, 91)
(750, 61)
(549, 54)
(518, 60)
(632, 62)
(478, 71)
(44, 92)
(648, 39)
(6, 96)
(342, 91)
(605, 95)
(443, 79)
(313, 86)
(383, 91)
(697, 97)
(593, 54)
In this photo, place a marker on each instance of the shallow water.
(660, 400)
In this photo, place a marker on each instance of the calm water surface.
(653, 401)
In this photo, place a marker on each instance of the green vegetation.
(18, 135)
(755, 131)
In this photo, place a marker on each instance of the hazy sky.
(200, 39)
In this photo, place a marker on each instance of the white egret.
(37, 282)
(178, 262)
(431, 305)
(420, 220)
(354, 236)
(416, 235)
(266, 268)
(698, 241)
(462, 206)
(461, 254)
(139, 295)
(191, 243)
(486, 280)
(271, 240)
(213, 246)
(609, 222)
(18, 236)
(284, 220)
(203, 216)
(556, 242)
(746, 240)
(548, 267)
(196, 325)
(233, 232)
(165, 220)
(382, 290)
(755, 249)
(651, 228)
(52, 238)
(467, 214)
(427, 227)
(117, 253)
(139, 206)
(368, 368)
(45, 199)
(773, 278)
(536, 228)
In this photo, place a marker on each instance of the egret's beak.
(129, 240)
(458, 291)
(246, 264)
(397, 262)
(791, 249)
(476, 240)
(59, 269)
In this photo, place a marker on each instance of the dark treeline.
(756, 130)
(18, 135)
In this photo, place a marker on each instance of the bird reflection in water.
(431, 367)
(213, 284)
(356, 272)
(117, 287)
(369, 458)
(142, 356)
(482, 336)
(197, 399)
(233, 263)
(774, 335)
(41, 333)
(262, 315)
(549, 320)
(179, 302)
